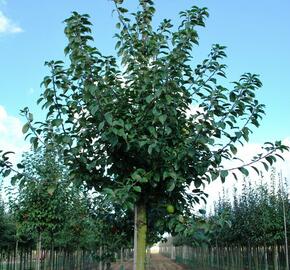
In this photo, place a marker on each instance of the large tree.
(148, 124)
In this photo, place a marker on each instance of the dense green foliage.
(255, 216)
(244, 231)
(144, 126)
(7, 229)
(252, 217)
(47, 210)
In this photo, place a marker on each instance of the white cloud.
(7, 26)
(10, 127)
(246, 152)
(11, 137)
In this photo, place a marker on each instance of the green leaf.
(14, 180)
(170, 174)
(119, 123)
(269, 159)
(224, 173)
(20, 166)
(118, 44)
(128, 126)
(109, 118)
(34, 142)
(162, 118)
(232, 96)
(168, 130)
(244, 171)
(256, 170)
(149, 98)
(179, 228)
(94, 109)
(150, 148)
(46, 81)
(233, 149)
(279, 156)
(56, 122)
(25, 128)
(265, 165)
(110, 192)
(202, 211)
(142, 143)
(6, 173)
(67, 139)
(30, 117)
(214, 175)
(122, 10)
(235, 176)
(171, 185)
(101, 125)
(51, 189)
(137, 188)
(152, 131)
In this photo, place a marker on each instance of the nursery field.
(126, 144)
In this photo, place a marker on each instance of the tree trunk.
(266, 257)
(101, 258)
(140, 233)
(217, 254)
(275, 257)
(8, 260)
(122, 259)
(21, 259)
(249, 256)
(173, 253)
(285, 235)
(211, 256)
(15, 255)
(38, 256)
(51, 255)
(30, 259)
(256, 257)
(78, 259)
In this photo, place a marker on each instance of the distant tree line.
(47, 221)
(250, 229)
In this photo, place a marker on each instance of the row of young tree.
(250, 230)
(49, 223)
(256, 216)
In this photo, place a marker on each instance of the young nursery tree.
(39, 206)
(146, 125)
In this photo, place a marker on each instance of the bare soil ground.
(157, 262)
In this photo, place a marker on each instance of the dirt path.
(157, 262)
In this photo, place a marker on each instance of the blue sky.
(257, 34)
